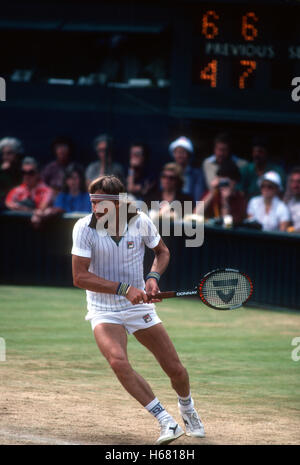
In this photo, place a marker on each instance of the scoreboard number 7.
(250, 67)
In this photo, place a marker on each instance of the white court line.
(35, 439)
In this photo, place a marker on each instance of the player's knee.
(120, 366)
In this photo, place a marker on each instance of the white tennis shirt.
(270, 221)
(122, 262)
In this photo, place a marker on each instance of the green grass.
(242, 357)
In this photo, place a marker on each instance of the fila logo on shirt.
(130, 244)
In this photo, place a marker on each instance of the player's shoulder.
(142, 217)
(83, 222)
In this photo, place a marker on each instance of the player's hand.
(136, 296)
(152, 289)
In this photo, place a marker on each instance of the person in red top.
(33, 195)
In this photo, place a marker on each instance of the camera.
(224, 183)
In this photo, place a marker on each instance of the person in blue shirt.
(74, 197)
(182, 150)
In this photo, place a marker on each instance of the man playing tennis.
(110, 268)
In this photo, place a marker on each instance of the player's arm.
(160, 263)
(84, 279)
(162, 257)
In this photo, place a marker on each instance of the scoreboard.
(238, 61)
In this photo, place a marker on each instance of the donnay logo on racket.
(226, 297)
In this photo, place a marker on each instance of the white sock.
(157, 410)
(186, 404)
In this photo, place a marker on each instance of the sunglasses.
(267, 186)
(166, 176)
(29, 172)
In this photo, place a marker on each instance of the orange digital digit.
(251, 66)
(209, 73)
(209, 29)
(249, 31)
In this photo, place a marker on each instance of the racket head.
(225, 289)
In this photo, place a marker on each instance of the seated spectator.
(32, 194)
(53, 173)
(267, 208)
(103, 146)
(222, 151)
(74, 197)
(10, 172)
(139, 180)
(171, 183)
(292, 198)
(182, 151)
(224, 200)
(254, 170)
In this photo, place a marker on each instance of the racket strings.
(226, 289)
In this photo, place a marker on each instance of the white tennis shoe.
(193, 425)
(170, 430)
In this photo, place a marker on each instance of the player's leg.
(112, 342)
(157, 340)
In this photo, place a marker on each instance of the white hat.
(271, 176)
(181, 142)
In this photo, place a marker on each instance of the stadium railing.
(272, 260)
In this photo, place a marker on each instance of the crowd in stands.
(256, 193)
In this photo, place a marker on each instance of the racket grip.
(163, 295)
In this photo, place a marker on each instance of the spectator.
(103, 146)
(53, 173)
(182, 151)
(222, 151)
(254, 170)
(139, 180)
(33, 194)
(10, 172)
(171, 183)
(292, 198)
(224, 200)
(74, 197)
(267, 209)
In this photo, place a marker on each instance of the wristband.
(153, 274)
(122, 289)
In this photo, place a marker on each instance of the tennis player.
(110, 268)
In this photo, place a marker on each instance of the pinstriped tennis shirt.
(120, 262)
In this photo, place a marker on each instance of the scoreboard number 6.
(249, 31)
(210, 29)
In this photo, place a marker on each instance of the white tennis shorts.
(133, 319)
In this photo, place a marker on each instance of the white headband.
(122, 196)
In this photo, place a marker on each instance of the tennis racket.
(221, 289)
